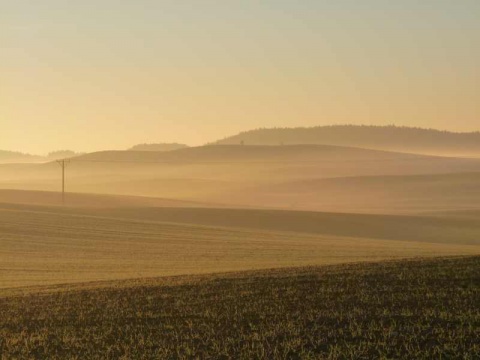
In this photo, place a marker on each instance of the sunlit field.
(419, 309)
(239, 180)
(47, 247)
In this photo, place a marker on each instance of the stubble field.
(47, 248)
(410, 309)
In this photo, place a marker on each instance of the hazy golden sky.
(98, 74)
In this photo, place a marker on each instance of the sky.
(108, 74)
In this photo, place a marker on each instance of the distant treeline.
(158, 147)
(63, 154)
(19, 157)
(393, 138)
(15, 156)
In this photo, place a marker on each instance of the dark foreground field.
(406, 309)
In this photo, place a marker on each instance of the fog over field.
(239, 179)
(219, 208)
(293, 177)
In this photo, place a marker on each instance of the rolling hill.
(13, 157)
(252, 154)
(460, 229)
(373, 194)
(158, 147)
(301, 177)
(7, 157)
(76, 200)
(48, 246)
(391, 138)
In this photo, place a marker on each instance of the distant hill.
(390, 138)
(63, 154)
(158, 147)
(295, 177)
(9, 157)
(18, 157)
(250, 154)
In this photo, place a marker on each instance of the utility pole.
(63, 164)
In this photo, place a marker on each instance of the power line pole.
(63, 164)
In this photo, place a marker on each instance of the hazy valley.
(213, 212)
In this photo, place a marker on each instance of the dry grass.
(394, 310)
(41, 248)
